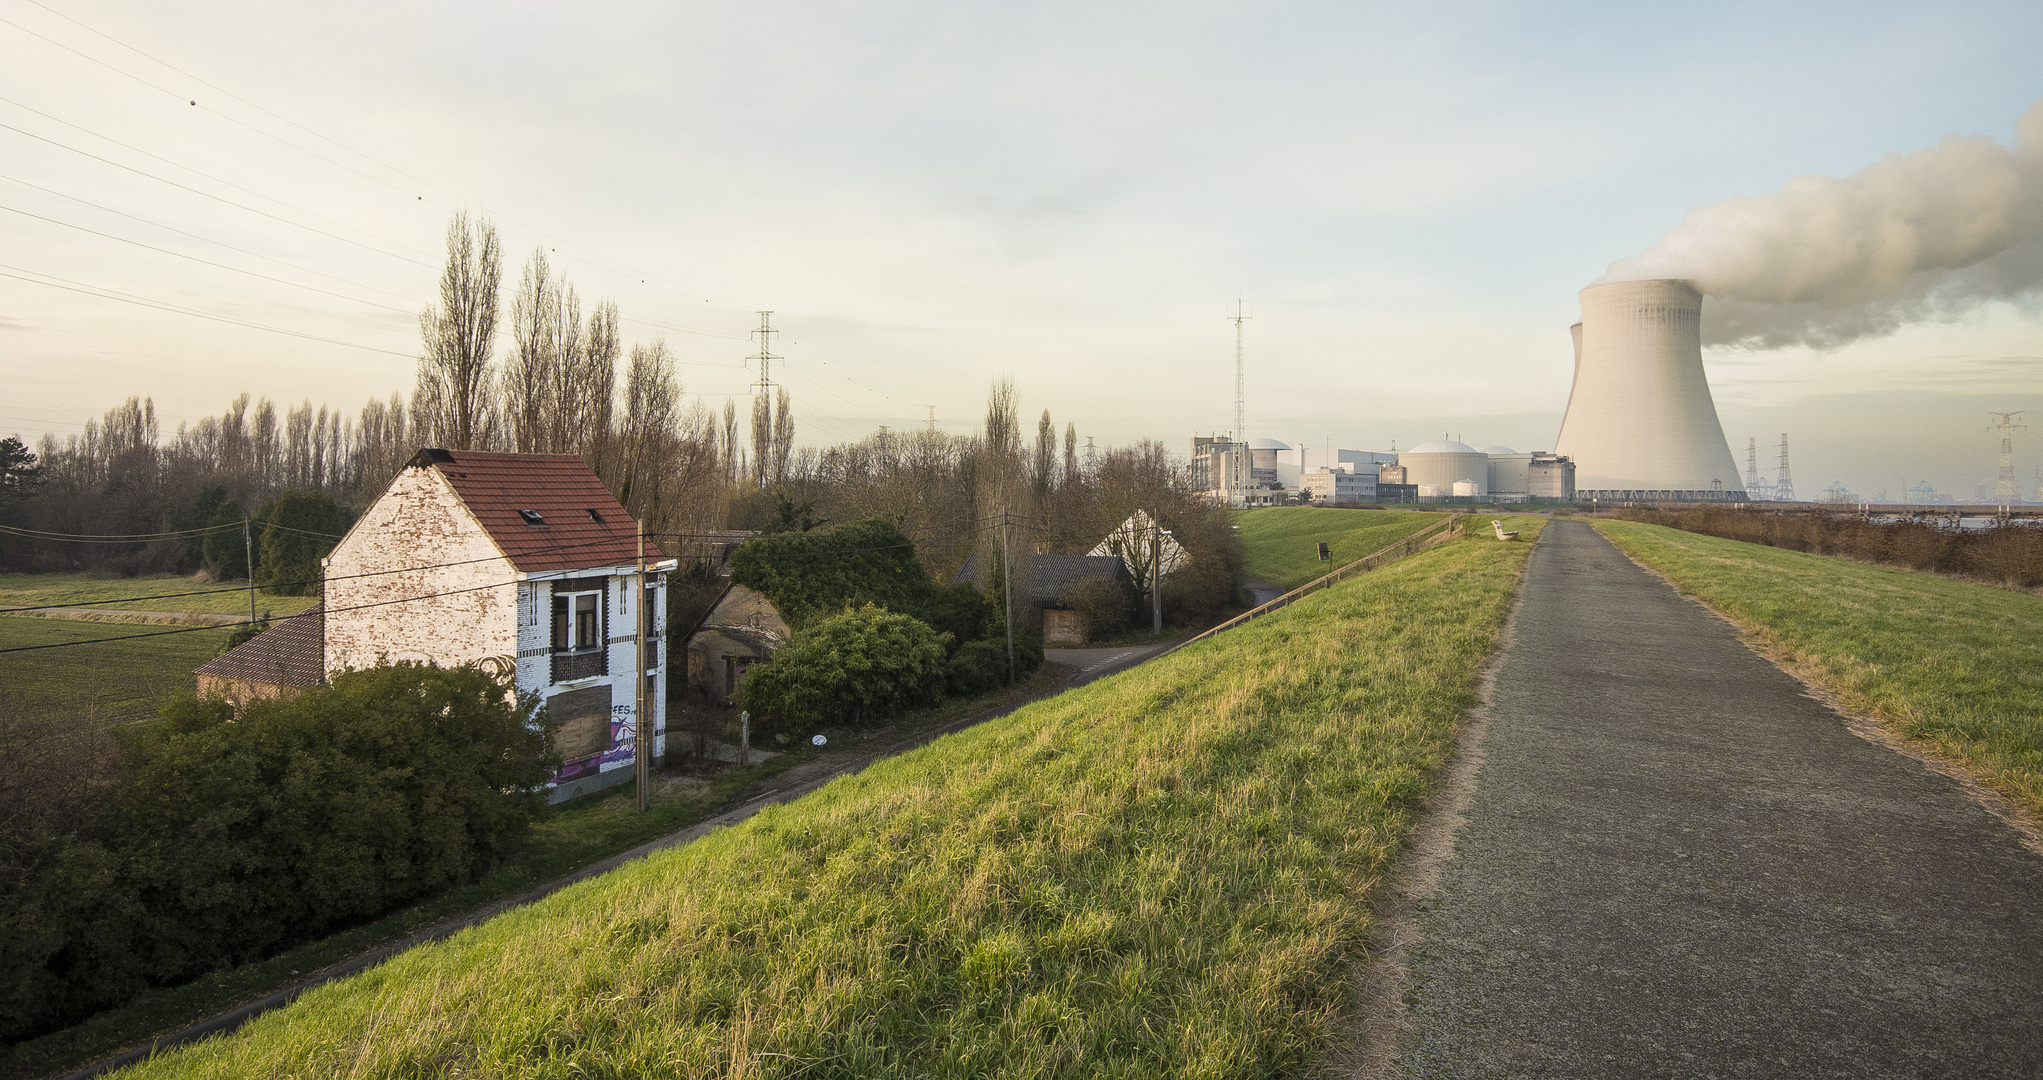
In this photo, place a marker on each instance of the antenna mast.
(1240, 421)
(2004, 422)
(1784, 488)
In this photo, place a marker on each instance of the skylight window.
(532, 517)
(595, 517)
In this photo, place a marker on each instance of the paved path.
(1676, 864)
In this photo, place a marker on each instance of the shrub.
(235, 832)
(977, 667)
(1105, 605)
(814, 575)
(857, 667)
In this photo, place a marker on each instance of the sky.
(1405, 198)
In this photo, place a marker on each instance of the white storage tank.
(1441, 464)
(1464, 488)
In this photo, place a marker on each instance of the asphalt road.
(1677, 864)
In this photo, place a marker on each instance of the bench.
(1501, 534)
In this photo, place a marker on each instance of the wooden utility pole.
(642, 753)
(248, 555)
(1007, 591)
(1156, 572)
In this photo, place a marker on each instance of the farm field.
(117, 681)
(1282, 542)
(224, 599)
(1952, 666)
(1166, 872)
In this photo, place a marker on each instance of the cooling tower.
(1640, 421)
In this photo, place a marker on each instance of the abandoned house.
(742, 629)
(520, 563)
(1045, 583)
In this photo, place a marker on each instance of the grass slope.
(1949, 664)
(1282, 542)
(117, 681)
(1162, 873)
(568, 838)
(40, 589)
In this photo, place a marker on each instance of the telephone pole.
(2004, 489)
(642, 740)
(1240, 384)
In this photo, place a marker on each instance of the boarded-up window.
(584, 719)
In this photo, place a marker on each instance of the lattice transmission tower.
(1784, 488)
(2004, 490)
(1752, 467)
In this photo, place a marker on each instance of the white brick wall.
(419, 522)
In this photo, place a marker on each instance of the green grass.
(568, 838)
(1282, 542)
(1166, 872)
(115, 682)
(1953, 666)
(39, 589)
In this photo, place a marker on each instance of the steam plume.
(1932, 235)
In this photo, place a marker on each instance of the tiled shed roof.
(290, 653)
(545, 511)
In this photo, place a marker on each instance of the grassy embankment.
(1954, 667)
(1283, 541)
(1166, 872)
(567, 839)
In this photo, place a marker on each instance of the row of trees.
(567, 383)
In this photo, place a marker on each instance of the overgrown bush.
(233, 832)
(814, 575)
(977, 667)
(2008, 554)
(1105, 605)
(857, 667)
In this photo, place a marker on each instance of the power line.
(204, 239)
(207, 262)
(109, 294)
(218, 198)
(208, 176)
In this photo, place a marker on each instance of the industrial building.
(1640, 422)
(1436, 467)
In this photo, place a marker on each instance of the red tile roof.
(292, 652)
(580, 524)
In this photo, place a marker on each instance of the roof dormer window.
(532, 517)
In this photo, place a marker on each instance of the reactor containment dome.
(1641, 424)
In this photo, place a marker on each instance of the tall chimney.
(1640, 417)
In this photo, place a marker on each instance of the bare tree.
(1046, 456)
(733, 454)
(783, 433)
(452, 399)
(1070, 455)
(762, 440)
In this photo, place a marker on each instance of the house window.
(579, 649)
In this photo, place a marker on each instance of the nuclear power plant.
(1640, 422)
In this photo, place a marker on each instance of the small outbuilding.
(1049, 578)
(284, 661)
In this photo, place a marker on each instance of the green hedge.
(231, 833)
